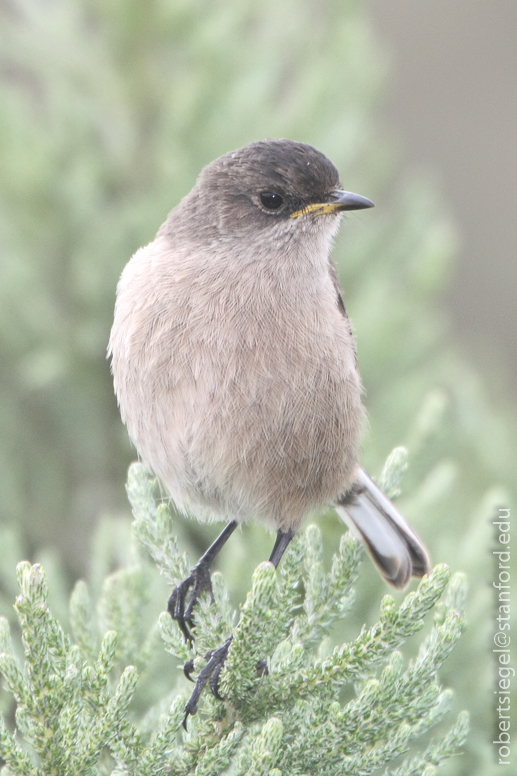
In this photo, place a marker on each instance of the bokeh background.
(108, 112)
(451, 101)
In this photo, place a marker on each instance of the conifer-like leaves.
(292, 705)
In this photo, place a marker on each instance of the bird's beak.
(337, 201)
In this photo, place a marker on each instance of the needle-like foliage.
(293, 704)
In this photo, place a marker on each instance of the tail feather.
(393, 545)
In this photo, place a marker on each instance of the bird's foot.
(186, 595)
(208, 675)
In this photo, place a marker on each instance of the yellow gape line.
(320, 208)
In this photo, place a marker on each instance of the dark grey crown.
(297, 171)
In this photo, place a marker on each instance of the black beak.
(345, 200)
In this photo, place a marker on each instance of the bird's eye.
(271, 200)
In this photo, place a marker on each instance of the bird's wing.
(340, 303)
(337, 287)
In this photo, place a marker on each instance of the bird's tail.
(395, 548)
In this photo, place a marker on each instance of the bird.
(235, 365)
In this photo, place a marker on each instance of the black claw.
(209, 674)
(214, 682)
(190, 710)
(197, 582)
(188, 668)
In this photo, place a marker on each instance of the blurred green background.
(108, 112)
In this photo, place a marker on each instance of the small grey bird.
(235, 366)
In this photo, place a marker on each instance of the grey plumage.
(233, 359)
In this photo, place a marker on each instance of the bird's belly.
(270, 442)
(245, 406)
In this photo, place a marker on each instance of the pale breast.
(247, 403)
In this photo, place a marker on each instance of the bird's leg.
(196, 583)
(216, 657)
(283, 539)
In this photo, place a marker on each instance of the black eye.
(271, 200)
